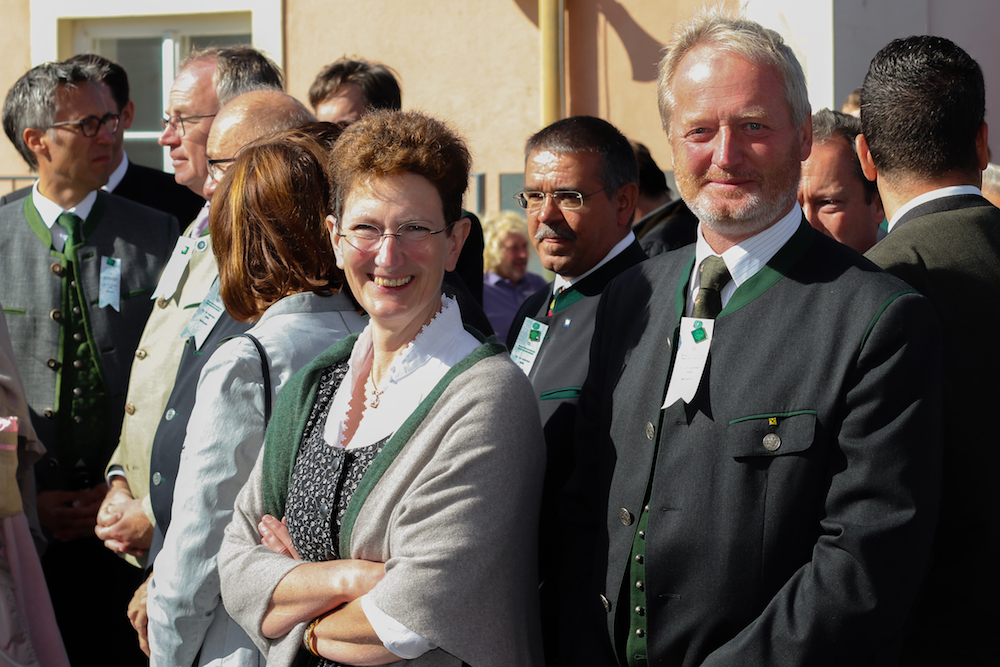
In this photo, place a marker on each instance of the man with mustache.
(580, 189)
(759, 435)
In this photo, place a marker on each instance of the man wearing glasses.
(580, 189)
(184, 300)
(141, 184)
(78, 266)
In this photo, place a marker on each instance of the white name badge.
(174, 271)
(529, 341)
(692, 353)
(205, 318)
(111, 283)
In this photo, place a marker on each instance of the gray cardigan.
(450, 505)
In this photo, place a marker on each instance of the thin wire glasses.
(216, 168)
(91, 125)
(567, 200)
(367, 238)
(176, 123)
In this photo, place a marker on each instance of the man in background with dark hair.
(835, 196)
(346, 89)
(925, 139)
(147, 186)
(662, 222)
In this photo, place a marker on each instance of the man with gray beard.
(580, 189)
(759, 434)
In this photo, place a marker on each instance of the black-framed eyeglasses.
(567, 200)
(216, 168)
(176, 123)
(91, 125)
(367, 238)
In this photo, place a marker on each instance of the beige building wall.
(15, 59)
(475, 65)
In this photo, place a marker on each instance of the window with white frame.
(149, 48)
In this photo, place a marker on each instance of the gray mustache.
(546, 232)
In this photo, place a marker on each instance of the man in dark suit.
(580, 189)
(149, 187)
(759, 434)
(78, 267)
(925, 140)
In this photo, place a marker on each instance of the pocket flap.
(771, 435)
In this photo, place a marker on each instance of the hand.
(70, 514)
(122, 523)
(274, 535)
(137, 615)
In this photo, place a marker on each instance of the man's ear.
(865, 157)
(128, 114)
(625, 200)
(36, 142)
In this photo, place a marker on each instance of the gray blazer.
(32, 296)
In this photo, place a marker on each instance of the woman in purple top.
(506, 281)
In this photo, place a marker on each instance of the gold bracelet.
(309, 638)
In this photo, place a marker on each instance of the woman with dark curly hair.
(406, 463)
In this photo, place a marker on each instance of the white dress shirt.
(745, 258)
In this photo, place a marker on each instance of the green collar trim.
(566, 298)
(399, 439)
(776, 269)
(45, 233)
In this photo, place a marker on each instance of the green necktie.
(83, 396)
(71, 222)
(712, 277)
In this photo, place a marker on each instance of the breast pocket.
(770, 435)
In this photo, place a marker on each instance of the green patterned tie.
(712, 277)
(82, 394)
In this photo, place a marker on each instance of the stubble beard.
(743, 213)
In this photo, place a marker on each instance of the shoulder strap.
(266, 372)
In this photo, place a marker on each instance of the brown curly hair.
(384, 143)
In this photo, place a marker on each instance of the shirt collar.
(746, 257)
(750, 255)
(117, 175)
(940, 193)
(50, 211)
(561, 283)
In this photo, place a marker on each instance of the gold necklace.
(376, 392)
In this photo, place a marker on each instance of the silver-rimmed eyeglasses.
(367, 238)
(91, 125)
(567, 200)
(176, 123)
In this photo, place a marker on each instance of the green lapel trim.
(402, 436)
(35, 222)
(782, 262)
(284, 432)
(566, 298)
(45, 234)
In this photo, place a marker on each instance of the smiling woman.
(405, 464)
